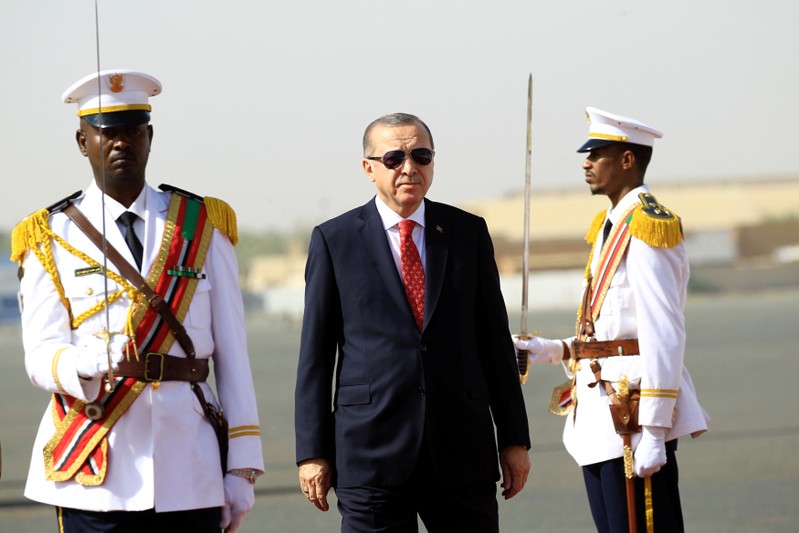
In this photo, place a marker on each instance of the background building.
(741, 234)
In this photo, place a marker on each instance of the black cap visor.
(118, 118)
(592, 144)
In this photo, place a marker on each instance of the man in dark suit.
(406, 365)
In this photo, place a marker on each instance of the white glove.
(239, 499)
(650, 455)
(539, 349)
(92, 360)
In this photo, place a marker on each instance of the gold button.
(89, 291)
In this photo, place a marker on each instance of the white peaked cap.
(606, 128)
(121, 96)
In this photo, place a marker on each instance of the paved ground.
(743, 476)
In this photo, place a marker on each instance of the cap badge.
(116, 82)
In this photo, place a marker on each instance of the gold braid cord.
(34, 234)
(127, 288)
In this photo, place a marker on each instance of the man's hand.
(650, 454)
(515, 465)
(315, 478)
(539, 349)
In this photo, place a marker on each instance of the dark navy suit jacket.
(370, 385)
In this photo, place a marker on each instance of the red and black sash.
(79, 446)
(609, 259)
(563, 398)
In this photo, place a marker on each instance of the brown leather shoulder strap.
(586, 328)
(131, 274)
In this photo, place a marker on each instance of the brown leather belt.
(155, 366)
(597, 349)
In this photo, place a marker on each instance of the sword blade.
(110, 376)
(521, 355)
(526, 233)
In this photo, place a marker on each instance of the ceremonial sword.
(522, 355)
(106, 333)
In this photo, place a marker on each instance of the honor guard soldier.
(629, 396)
(127, 292)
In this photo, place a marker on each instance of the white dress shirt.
(391, 222)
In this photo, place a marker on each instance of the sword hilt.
(522, 358)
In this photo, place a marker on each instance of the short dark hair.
(393, 120)
(643, 155)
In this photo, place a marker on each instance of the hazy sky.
(264, 102)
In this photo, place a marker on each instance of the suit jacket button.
(420, 390)
(423, 347)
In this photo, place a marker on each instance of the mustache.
(123, 155)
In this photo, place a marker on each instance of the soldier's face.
(117, 154)
(603, 170)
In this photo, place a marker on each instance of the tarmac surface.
(742, 476)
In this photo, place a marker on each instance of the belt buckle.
(147, 375)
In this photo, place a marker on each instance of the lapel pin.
(440, 229)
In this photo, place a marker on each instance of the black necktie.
(127, 219)
(606, 232)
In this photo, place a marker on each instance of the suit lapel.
(437, 246)
(375, 243)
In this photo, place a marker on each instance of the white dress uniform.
(162, 451)
(646, 300)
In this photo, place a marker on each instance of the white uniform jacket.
(646, 300)
(163, 453)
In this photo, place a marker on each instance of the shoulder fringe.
(596, 226)
(33, 234)
(657, 232)
(222, 217)
(30, 232)
(35, 229)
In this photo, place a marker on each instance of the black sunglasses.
(394, 158)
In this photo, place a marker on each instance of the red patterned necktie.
(412, 271)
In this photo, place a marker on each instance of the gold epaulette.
(35, 229)
(32, 231)
(654, 224)
(596, 226)
(220, 214)
(222, 217)
(33, 234)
